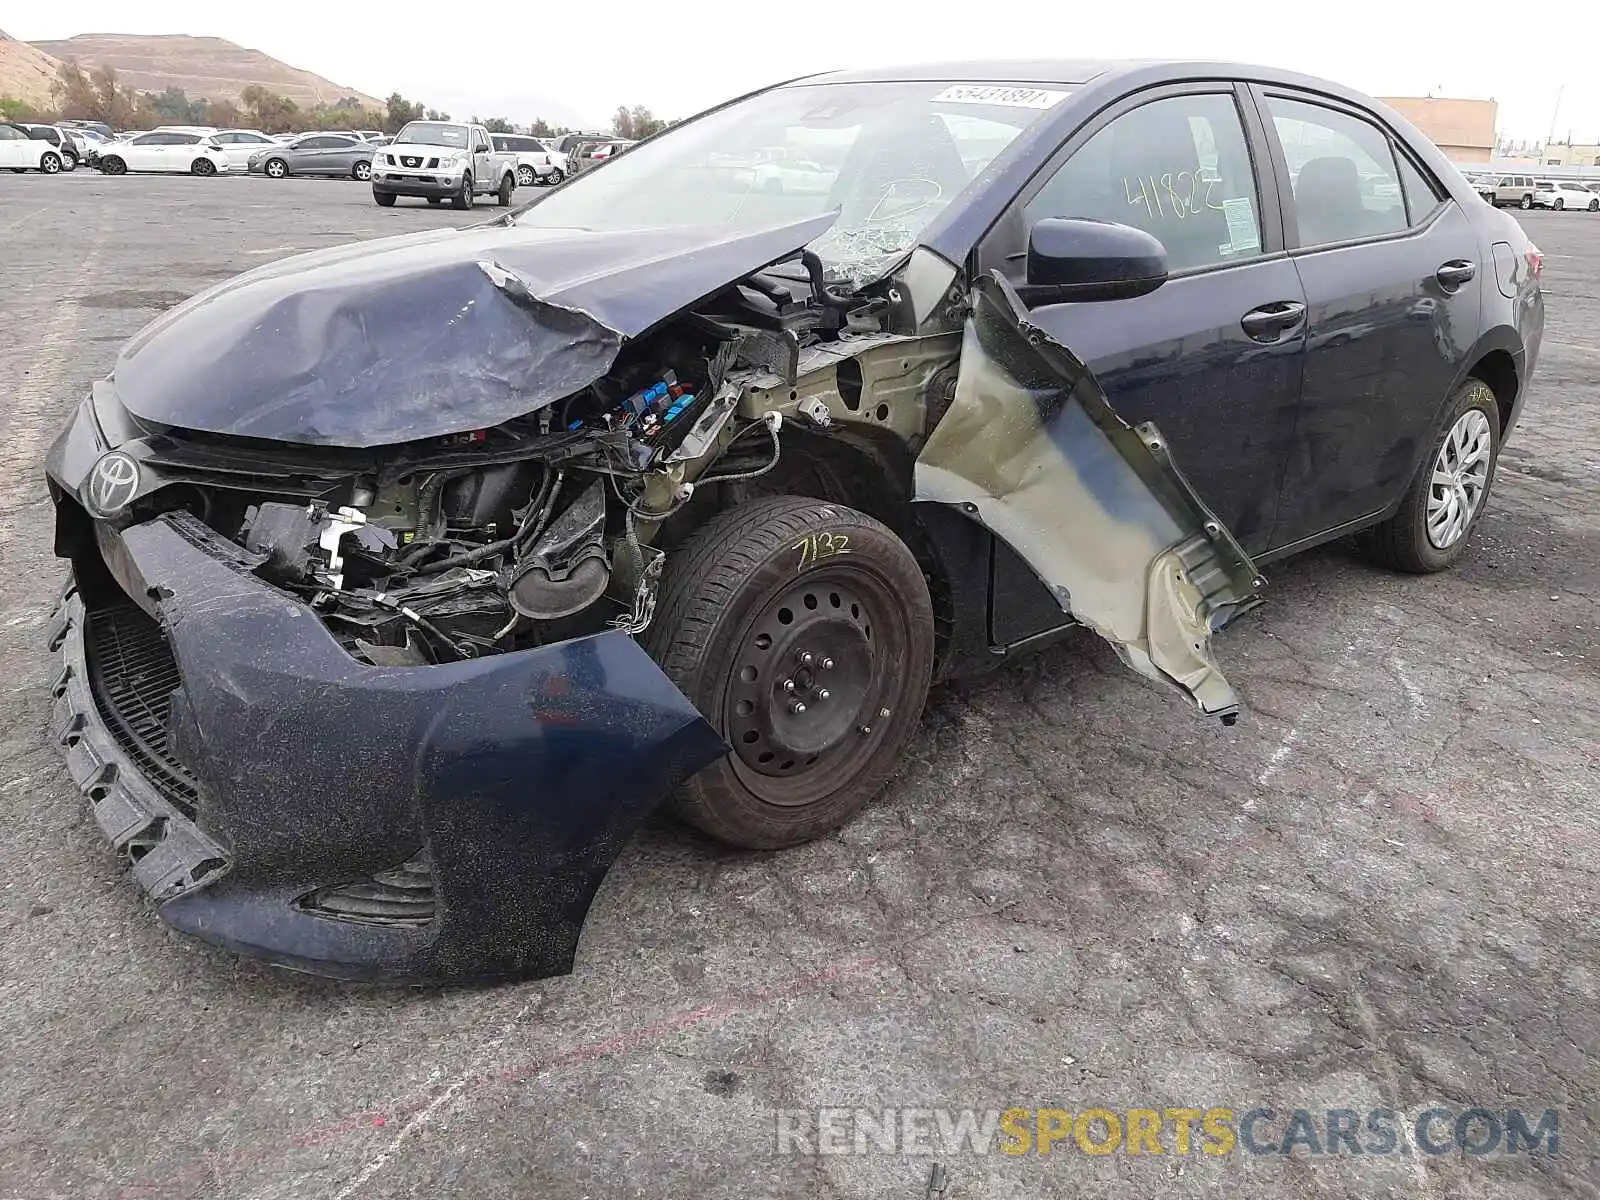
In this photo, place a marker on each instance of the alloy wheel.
(363, 171)
(276, 168)
(50, 164)
(526, 177)
(1460, 475)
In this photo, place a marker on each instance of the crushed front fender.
(446, 823)
(1032, 449)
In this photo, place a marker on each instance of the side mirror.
(1081, 259)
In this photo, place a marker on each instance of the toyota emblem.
(112, 484)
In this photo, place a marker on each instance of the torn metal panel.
(1031, 449)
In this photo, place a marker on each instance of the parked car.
(21, 151)
(441, 160)
(315, 154)
(536, 163)
(60, 139)
(88, 142)
(1556, 194)
(567, 143)
(1508, 189)
(779, 169)
(100, 127)
(400, 600)
(591, 153)
(239, 145)
(168, 151)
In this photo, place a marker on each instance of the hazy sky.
(678, 56)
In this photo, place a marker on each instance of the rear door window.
(1345, 182)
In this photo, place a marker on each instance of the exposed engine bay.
(551, 525)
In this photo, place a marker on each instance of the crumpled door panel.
(1032, 450)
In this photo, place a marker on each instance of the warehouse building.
(1463, 129)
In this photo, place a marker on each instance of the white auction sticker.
(1005, 97)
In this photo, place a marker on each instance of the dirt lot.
(1377, 891)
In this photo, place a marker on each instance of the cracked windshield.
(888, 157)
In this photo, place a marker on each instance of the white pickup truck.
(443, 160)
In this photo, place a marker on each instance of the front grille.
(408, 161)
(132, 675)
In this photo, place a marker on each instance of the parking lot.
(1378, 890)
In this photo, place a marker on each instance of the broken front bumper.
(276, 797)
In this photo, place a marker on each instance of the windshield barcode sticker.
(1005, 97)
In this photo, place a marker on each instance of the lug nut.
(788, 685)
(826, 664)
(797, 707)
(805, 658)
(822, 693)
(864, 729)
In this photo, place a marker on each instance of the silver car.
(315, 154)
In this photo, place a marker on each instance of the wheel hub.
(1460, 474)
(805, 675)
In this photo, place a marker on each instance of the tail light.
(1535, 258)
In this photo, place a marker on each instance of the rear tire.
(1594, 206)
(50, 163)
(384, 199)
(1525, 202)
(464, 197)
(202, 166)
(361, 171)
(503, 196)
(526, 177)
(803, 630)
(1402, 542)
(69, 161)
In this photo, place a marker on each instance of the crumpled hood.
(426, 334)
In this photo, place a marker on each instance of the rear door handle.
(1454, 273)
(1271, 321)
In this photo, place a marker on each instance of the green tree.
(17, 110)
(635, 123)
(497, 125)
(400, 111)
(435, 115)
(269, 112)
(174, 107)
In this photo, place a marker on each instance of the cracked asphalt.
(1378, 890)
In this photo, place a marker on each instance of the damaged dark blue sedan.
(409, 576)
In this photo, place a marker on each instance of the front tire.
(804, 631)
(384, 199)
(1559, 204)
(275, 168)
(1436, 517)
(1594, 206)
(113, 166)
(463, 198)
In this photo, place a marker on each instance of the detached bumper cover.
(516, 777)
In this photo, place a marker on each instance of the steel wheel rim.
(1460, 478)
(805, 694)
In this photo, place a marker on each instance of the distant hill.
(202, 66)
(26, 72)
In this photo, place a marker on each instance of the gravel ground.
(1377, 891)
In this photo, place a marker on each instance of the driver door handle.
(1456, 272)
(1272, 321)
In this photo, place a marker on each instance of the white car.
(536, 162)
(23, 153)
(1549, 193)
(163, 150)
(239, 144)
(781, 170)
